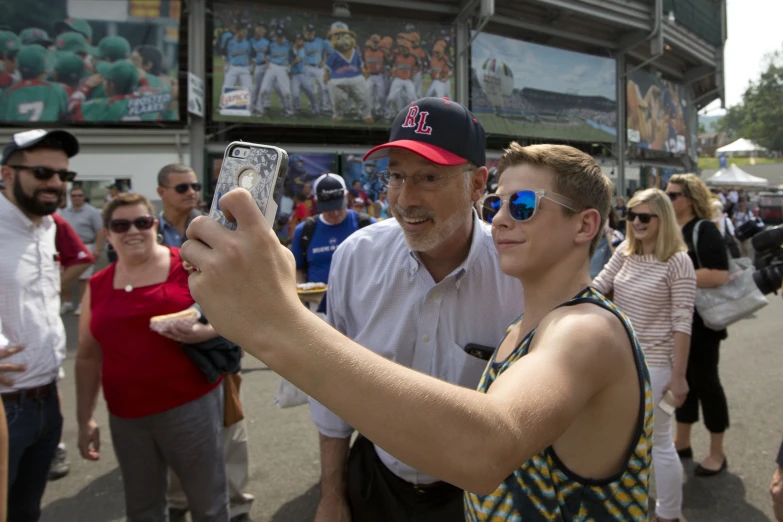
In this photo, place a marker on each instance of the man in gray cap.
(35, 170)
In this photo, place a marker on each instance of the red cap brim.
(429, 152)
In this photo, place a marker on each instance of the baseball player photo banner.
(656, 113)
(529, 90)
(92, 62)
(293, 67)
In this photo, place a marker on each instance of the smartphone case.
(270, 167)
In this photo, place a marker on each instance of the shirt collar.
(13, 215)
(165, 224)
(477, 244)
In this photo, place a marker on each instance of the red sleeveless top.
(143, 372)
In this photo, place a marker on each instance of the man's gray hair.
(173, 168)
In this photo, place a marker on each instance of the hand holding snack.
(183, 327)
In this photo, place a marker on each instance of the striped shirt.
(381, 296)
(30, 297)
(656, 295)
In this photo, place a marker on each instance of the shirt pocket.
(461, 368)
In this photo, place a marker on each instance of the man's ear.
(160, 192)
(8, 175)
(478, 183)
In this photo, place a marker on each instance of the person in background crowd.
(776, 487)
(741, 216)
(620, 207)
(382, 205)
(434, 269)
(316, 239)
(34, 167)
(179, 189)
(691, 201)
(610, 238)
(163, 412)
(86, 221)
(75, 259)
(654, 284)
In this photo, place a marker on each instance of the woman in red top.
(163, 412)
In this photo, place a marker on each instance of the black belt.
(37, 393)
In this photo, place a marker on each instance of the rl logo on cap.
(410, 121)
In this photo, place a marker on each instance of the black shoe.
(685, 453)
(177, 515)
(704, 472)
(243, 517)
(60, 466)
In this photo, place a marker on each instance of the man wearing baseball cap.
(316, 239)
(33, 90)
(35, 169)
(424, 290)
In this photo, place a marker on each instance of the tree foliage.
(760, 115)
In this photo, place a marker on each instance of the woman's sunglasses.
(183, 187)
(643, 218)
(674, 195)
(120, 226)
(45, 173)
(522, 205)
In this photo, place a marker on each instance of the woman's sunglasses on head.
(644, 218)
(120, 226)
(45, 173)
(522, 205)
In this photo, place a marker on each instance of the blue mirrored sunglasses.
(522, 205)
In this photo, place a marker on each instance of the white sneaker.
(66, 307)
(78, 311)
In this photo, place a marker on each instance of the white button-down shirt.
(30, 297)
(382, 296)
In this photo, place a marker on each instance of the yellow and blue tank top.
(543, 489)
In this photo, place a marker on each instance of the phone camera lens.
(237, 153)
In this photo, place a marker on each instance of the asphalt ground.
(284, 445)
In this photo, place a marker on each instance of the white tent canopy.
(741, 145)
(735, 176)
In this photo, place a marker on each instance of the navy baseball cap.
(59, 139)
(439, 130)
(329, 193)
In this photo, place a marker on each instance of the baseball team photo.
(289, 67)
(75, 61)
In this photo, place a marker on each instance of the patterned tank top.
(543, 489)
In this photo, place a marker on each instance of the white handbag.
(737, 298)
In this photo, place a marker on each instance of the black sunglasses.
(644, 218)
(45, 173)
(183, 187)
(674, 195)
(120, 226)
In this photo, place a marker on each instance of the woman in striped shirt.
(654, 284)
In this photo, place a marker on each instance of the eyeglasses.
(522, 205)
(396, 180)
(45, 173)
(674, 195)
(120, 226)
(183, 187)
(644, 218)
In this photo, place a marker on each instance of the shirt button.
(426, 338)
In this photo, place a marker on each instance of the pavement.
(284, 444)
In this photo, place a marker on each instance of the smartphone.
(261, 169)
(667, 403)
(479, 351)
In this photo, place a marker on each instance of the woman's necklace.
(129, 288)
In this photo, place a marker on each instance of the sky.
(548, 68)
(753, 31)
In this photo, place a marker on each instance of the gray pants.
(189, 440)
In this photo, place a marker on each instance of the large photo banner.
(656, 113)
(95, 61)
(524, 89)
(293, 67)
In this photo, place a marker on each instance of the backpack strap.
(307, 235)
(364, 220)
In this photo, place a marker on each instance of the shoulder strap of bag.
(695, 239)
(307, 235)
